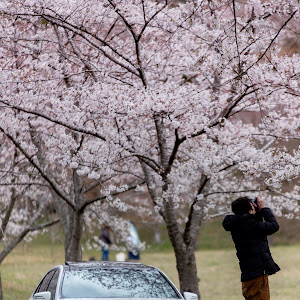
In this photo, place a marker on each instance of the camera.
(254, 200)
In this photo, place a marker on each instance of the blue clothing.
(134, 243)
(105, 253)
(106, 241)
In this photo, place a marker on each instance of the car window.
(45, 282)
(116, 283)
(52, 284)
(49, 283)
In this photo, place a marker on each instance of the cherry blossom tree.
(22, 205)
(70, 191)
(48, 148)
(195, 100)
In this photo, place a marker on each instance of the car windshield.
(116, 283)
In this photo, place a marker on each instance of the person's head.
(241, 206)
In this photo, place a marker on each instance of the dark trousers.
(257, 288)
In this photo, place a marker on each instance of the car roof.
(104, 264)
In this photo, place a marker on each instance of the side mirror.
(190, 296)
(42, 296)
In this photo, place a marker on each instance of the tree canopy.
(192, 103)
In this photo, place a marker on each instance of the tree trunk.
(71, 222)
(71, 219)
(185, 261)
(73, 250)
(187, 271)
(184, 245)
(183, 241)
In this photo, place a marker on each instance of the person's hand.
(260, 203)
(252, 211)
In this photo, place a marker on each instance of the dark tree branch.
(266, 50)
(39, 169)
(44, 225)
(39, 114)
(101, 198)
(236, 38)
(236, 192)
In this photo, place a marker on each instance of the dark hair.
(241, 206)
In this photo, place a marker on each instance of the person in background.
(133, 243)
(250, 225)
(106, 242)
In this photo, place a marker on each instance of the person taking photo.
(250, 225)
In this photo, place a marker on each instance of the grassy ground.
(218, 271)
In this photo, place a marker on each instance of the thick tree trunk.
(72, 226)
(71, 219)
(184, 245)
(73, 250)
(185, 262)
(187, 272)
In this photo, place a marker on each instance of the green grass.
(219, 273)
(212, 235)
(217, 269)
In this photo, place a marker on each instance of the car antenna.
(67, 263)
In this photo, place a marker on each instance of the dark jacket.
(249, 233)
(104, 237)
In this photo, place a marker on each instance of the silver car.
(113, 280)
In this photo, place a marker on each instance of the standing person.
(249, 226)
(106, 242)
(134, 242)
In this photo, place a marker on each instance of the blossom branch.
(42, 173)
(101, 198)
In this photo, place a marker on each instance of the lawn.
(218, 271)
